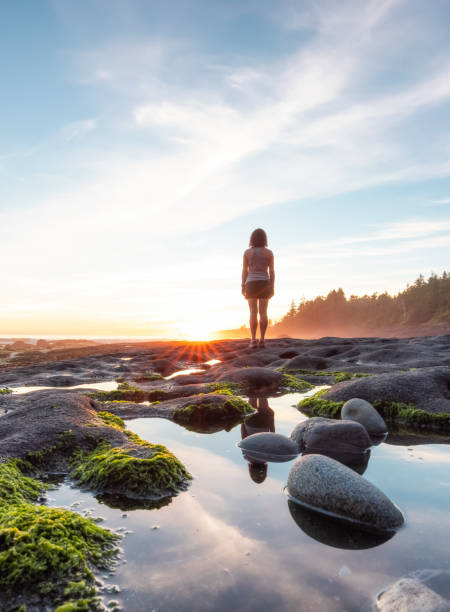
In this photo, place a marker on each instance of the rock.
(330, 531)
(360, 411)
(211, 408)
(411, 595)
(164, 366)
(428, 389)
(327, 486)
(319, 433)
(307, 362)
(254, 379)
(268, 446)
(355, 461)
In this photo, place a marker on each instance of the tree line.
(426, 302)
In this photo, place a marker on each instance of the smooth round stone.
(342, 436)
(411, 595)
(327, 486)
(357, 409)
(268, 446)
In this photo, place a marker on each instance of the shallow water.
(230, 542)
(109, 385)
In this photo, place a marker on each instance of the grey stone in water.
(411, 595)
(343, 436)
(268, 446)
(325, 485)
(357, 409)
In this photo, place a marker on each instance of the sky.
(142, 141)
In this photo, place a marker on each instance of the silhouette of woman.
(258, 277)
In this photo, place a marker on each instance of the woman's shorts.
(260, 289)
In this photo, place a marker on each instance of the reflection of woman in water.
(258, 277)
(263, 420)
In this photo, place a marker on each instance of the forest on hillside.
(423, 304)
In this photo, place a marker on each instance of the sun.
(197, 332)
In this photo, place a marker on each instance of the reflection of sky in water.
(231, 543)
(110, 385)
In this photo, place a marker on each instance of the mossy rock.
(212, 408)
(46, 553)
(396, 412)
(128, 393)
(144, 471)
(293, 384)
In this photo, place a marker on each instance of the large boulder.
(320, 433)
(254, 379)
(327, 486)
(362, 412)
(411, 595)
(268, 446)
(428, 389)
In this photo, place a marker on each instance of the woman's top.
(258, 263)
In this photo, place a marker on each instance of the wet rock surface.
(319, 433)
(411, 595)
(330, 487)
(268, 446)
(360, 411)
(428, 389)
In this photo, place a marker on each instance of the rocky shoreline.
(79, 431)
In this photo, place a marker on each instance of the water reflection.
(329, 530)
(262, 421)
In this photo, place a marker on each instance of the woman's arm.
(272, 271)
(244, 273)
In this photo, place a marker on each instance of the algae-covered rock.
(46, 554)
(426, 389)
(363, 412)
(330, 487)
(211, 408)
(67, 432)
(144, 471)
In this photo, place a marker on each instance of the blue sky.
(143, 141)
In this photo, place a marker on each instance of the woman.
(258, 279)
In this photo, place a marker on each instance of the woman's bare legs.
(253, 305)
(263, 321)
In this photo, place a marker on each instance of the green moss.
(43, 550)
(213, 411)
(226, 388)
(15, 488)
(111, 419)
(317, 406)
(390, 411)
(123, 470)
(128, 393)
(408, 413)
(147, 376)
(292, 384)
(5, 391)
(339, 376)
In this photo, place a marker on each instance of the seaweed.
(293, 384)
(150, 470)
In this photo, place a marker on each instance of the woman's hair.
(258, 238)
